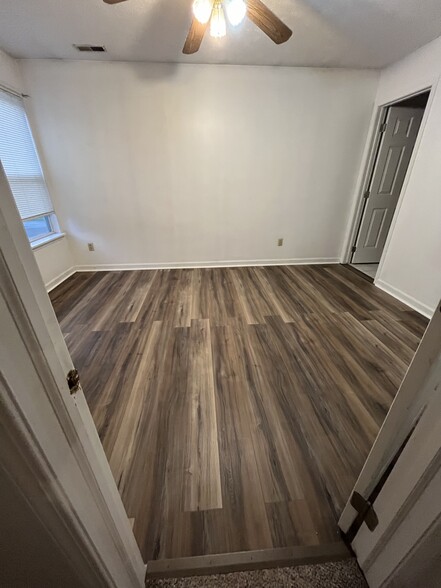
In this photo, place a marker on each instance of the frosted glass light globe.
(236, 10)
(218, 26)
(202, 10)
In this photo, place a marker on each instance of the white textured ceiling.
(328, 33)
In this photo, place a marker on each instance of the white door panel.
(394, 153)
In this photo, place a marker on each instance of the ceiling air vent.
(91, 48)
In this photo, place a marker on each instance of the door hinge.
(354, 249)
(366, 194)
(73, 381)
(383, 127)
(365, 510)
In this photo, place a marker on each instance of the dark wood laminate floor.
(236, 406)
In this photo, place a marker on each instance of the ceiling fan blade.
(113, 1)
(194, 37)
(267, 21)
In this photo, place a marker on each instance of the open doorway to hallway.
(395, 140)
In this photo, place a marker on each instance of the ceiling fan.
(213, 12)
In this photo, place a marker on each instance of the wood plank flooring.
(236, 406)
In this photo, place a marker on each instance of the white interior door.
(405, 503)
(398, 140)
(71, 489)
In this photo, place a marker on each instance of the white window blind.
(20, 160)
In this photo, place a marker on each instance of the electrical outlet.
(91, 246)
(279, 242)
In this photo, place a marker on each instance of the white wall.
(186, 164)
(54, 259)
(411, 267)
(55, 262)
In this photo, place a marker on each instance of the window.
(23, 170)
(38, 227)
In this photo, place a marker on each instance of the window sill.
(46, 240)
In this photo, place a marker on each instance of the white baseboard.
(403, 297)
(59, 279)
(205, 264)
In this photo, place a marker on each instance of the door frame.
(60, 467)
(366, 169)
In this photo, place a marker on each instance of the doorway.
(396, 135)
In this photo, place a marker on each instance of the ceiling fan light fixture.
(218, 26)
(202, 10)
(236, 11)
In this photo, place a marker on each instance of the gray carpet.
(339, 574)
